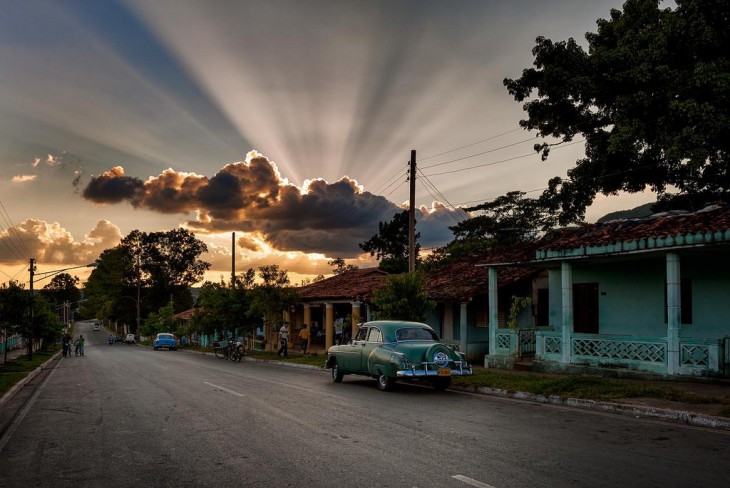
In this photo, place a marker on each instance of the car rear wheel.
(337, 374)
(385, 383)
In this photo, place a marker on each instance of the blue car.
(164, 340)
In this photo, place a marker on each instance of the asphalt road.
(129, 416)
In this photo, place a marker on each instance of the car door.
(352, 352)
(373, 341)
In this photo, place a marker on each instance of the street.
(130, 416)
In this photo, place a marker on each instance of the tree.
(272, 296)
(146, 270)
(403, 297)
(390, 244)
(160, 321)
(167, 264)
(339, 266)
(651, 97)
(506, 220)
(227, 308)
(62, 288)
(14, 307)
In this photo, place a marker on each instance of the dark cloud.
(114, 187)
(251, 196)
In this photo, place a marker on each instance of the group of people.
(284, 339)
(304, 336)
(78, 344)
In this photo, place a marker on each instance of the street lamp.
(35, 277)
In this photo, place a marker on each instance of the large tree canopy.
(651, 97)
(390, 244)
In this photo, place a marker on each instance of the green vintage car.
(391, 350)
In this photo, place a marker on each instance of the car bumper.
(423, 372)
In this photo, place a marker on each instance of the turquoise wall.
(631, 295)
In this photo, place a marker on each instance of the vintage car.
(391, 350)
(164, 340)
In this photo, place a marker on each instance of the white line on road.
(471, 482)
(224, 389)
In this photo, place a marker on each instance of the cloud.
(253, 198)
(24, 178)
(50, 243)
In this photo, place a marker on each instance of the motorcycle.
(111, 340)
(236, 351)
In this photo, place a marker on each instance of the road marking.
(224, 389)
(471, 482)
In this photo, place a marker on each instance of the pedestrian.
(283, 339)
(66, 342)
(339, 326)
(79, 343)
(304, 338)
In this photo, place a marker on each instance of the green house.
(649, 294)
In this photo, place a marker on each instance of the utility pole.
(233, 259)
(31, 269)
(412, 216)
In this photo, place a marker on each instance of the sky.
(288, 122)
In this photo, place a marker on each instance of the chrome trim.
(423, 371)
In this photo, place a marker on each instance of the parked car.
(391, 350)
(130, 339)
(164, 340)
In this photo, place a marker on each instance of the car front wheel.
(385, 383)
(337, 374)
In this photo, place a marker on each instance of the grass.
(14, 371)
(578, 386)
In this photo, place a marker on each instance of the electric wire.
(481, 153)
(13, 229)
(472, 144)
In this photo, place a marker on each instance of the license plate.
(444, 372)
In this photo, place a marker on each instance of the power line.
(481, 153)
(472, 144)
(492, 163)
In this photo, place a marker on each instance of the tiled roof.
(187, 314)
(346, 286)
(463, 280)
(710, 220)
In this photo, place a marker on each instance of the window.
(374, 335)
(685, 301)
(362, 334)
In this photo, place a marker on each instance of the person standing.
(339, 326)
(283, 340)
(66, 342)
(304, 338)
(80, 345)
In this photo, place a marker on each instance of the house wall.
(632, 299)
(710, 295)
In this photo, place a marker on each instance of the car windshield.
(415, 334)
(164, 336)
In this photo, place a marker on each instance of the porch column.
(674, 314)
(355, 318)
(329, 325)
(308, 321)
(462, 327)
(566, 275)
(493, 320)
(368, 313)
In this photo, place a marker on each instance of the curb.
(20, 384)
(674, 416)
